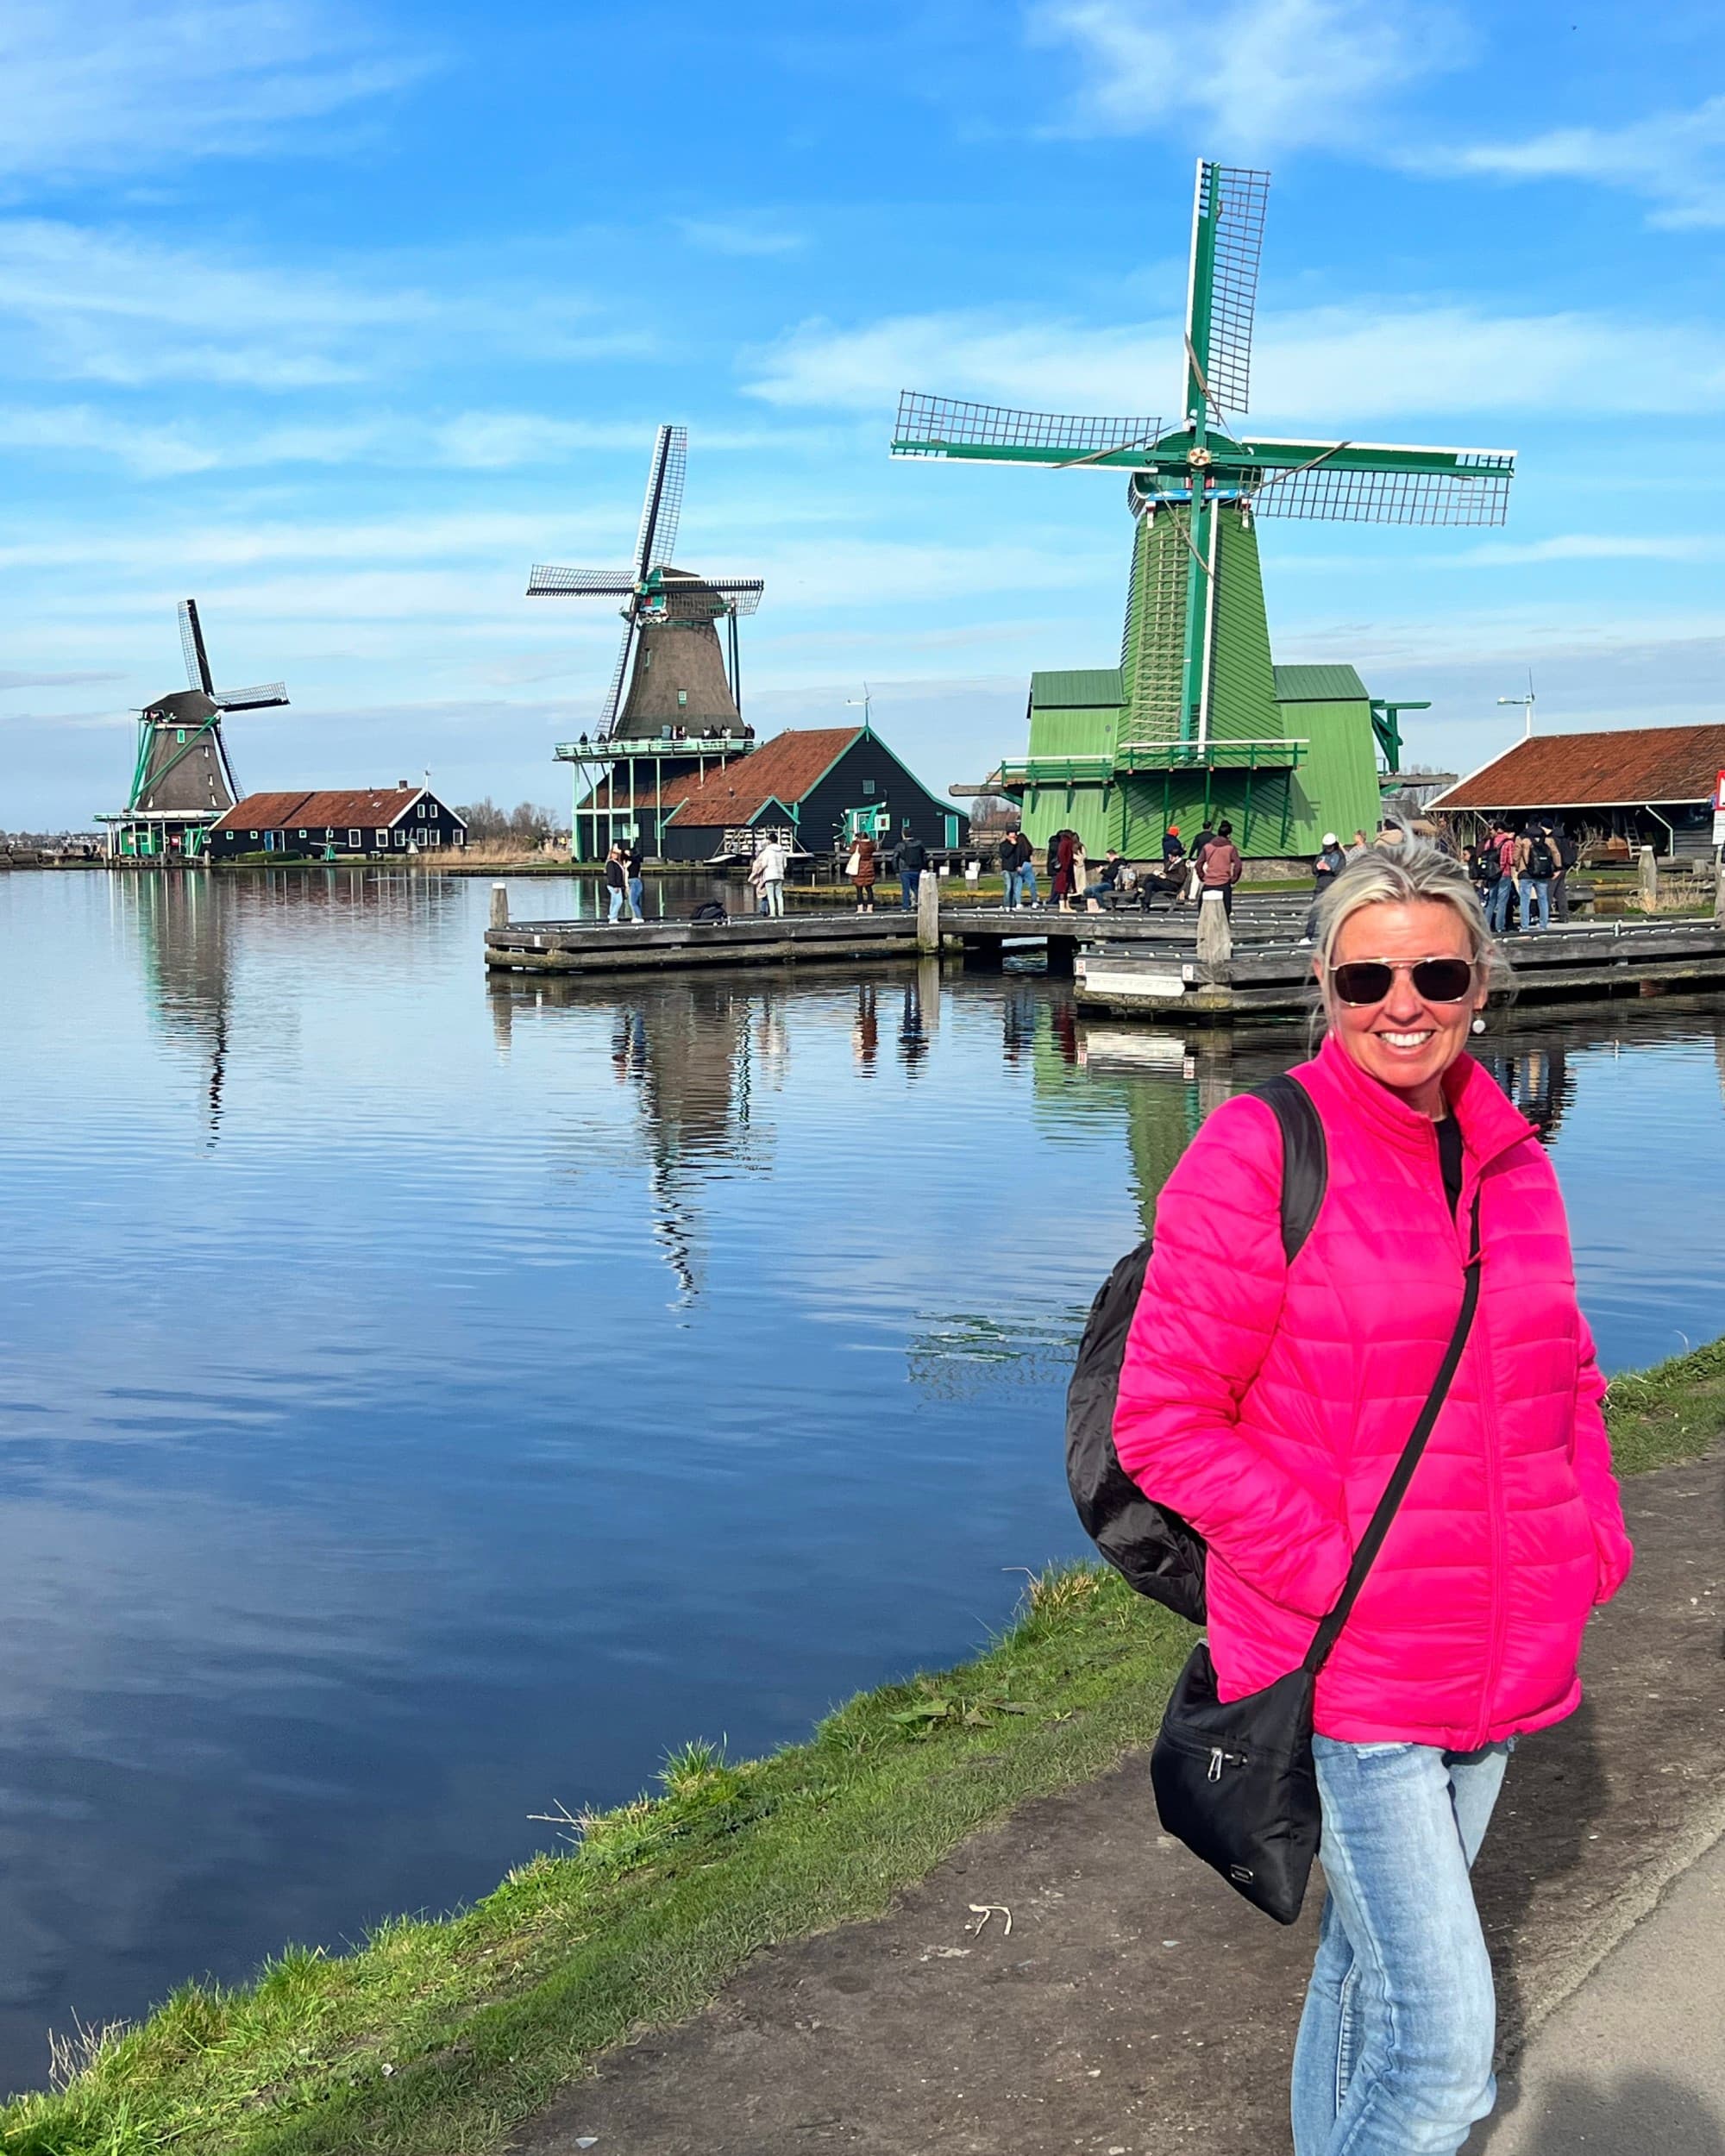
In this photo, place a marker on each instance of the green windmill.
(1196, 720)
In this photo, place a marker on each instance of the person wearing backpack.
(1540, 866)
(1334, 1423)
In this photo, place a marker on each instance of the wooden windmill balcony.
(1147, 756)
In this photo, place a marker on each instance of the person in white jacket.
(767, 876)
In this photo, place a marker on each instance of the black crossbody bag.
(1235, 1781)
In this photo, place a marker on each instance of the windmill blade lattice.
(941, 426)
(1328, 493)
(546, 581)
(661, 512)
(1241, 195)
(256, 700)
(191, 643)
(614, 694)
(710, 598)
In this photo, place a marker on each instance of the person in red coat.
(1267, 1403)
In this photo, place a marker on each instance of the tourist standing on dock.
(912, 860)
(1503, 839)
(1359, 846)
(1015, 855)
(1060, 868)
(1328, 867)
(638, 889)
(863, 873)
(1221, 866)
(767, 876)
(1540, 866)
(616, 882)
(1268, 1403)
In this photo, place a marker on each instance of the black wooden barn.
(802, 785)
(373, 821)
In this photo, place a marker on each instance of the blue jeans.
(636, 891)
(1497, 909)
(1394, 2057)
(1539, 890)
(617, 899)
(1027, 884)
(908, 888)
(1014, 886)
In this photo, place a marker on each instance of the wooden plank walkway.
(1582, 960)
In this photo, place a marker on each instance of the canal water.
(423, 1403)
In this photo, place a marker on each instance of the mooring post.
(500, 905)
(1216, 938)
(928, 911)
(1650, 881)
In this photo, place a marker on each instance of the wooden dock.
(1582, 961)
(1130, 964)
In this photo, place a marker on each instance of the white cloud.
(53, 681)
(118, 86)
(740, 236)
(1257, 73)
(121, 308)
(1675, 161)
(1339, 367)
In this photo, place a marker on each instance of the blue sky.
(340, 317)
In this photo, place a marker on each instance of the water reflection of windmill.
(182, 781)
(683, 710)
(182, 924)
(687, 1052)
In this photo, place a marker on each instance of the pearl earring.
(1479, 1026)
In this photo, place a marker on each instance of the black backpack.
(710, 909)
(1151, 1547)
(1540, 866)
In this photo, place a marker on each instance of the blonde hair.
(1412, 871)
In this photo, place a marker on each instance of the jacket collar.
(1490, 1126)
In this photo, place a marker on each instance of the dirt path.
(1135, 2005)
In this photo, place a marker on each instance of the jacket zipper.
(1478, 1348)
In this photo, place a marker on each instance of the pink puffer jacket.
(1268, 1404)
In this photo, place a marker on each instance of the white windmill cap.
(1330, 839)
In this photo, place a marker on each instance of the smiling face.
(1404, 1042)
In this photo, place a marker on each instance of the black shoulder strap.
(1305, 1158)
(1372, 1540)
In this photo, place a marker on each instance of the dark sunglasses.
(1435, 980)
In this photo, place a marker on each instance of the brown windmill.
(683, 710)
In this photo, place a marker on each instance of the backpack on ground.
(1540, 866)
(1149, 1544)
(710, 909)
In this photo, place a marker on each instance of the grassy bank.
(435, 2035)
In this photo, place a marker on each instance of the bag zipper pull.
(1216, 1756)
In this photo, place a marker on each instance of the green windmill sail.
(1196, 719)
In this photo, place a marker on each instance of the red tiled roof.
(358, 808)
(782, 769)
(1559, 771)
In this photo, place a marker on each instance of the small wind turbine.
(1527, 701)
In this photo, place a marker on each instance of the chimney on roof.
(401, 785)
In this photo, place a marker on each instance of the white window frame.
(355, 838)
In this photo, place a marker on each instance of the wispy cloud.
(740, 236)
(1674, 161)
(1258, 73)
(53, 681)
(123, 85)
(121, 308)
(1340, 368)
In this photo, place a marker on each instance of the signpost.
(1719, 810)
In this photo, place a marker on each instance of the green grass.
(435, 2035)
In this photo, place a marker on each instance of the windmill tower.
(182, 780)
(1197, 722)
(683, 711)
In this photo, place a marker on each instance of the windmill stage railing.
(1276, 754)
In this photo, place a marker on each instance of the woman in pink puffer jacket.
(1267, 1403)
